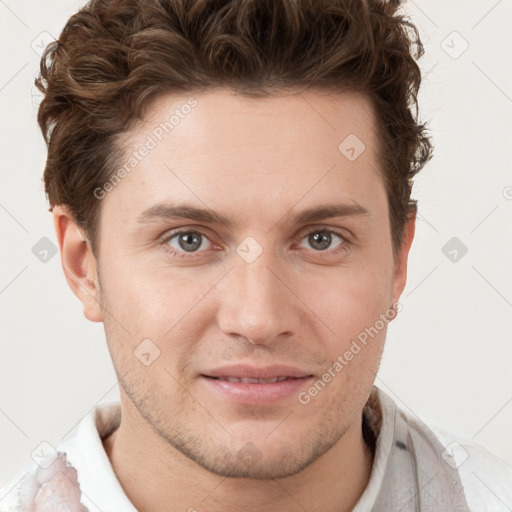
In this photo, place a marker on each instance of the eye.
(322, 239)
(186, 242)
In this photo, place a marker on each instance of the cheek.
(349, 300)
(155, 298)
(167, 306)
(354, 306)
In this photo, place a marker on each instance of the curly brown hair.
(114, 57)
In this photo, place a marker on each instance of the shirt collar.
(101, 490)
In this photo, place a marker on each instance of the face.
(241, 260)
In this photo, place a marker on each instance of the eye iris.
(323, 238)
(189, 241)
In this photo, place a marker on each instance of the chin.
(261, 460)
(249, 463)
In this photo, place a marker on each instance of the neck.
(156, 476)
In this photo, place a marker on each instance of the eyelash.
(326, 253)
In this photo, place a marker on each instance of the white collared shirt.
(415, 468)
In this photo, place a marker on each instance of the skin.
(261, 162)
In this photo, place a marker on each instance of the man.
(231, 190)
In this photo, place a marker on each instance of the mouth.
(262, 373)
(255, 386)
(249, 380)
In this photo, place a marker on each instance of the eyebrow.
(169, 211)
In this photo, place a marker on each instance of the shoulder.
(52, 482)
(19, 493)
(484, 478)
(487, 479)
(60, 474)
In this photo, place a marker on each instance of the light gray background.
(448, 354)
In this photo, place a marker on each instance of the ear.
(400, 273)
(78, 263)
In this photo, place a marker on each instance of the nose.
(256, 304)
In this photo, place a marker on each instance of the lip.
(255, 393)
(254, 372)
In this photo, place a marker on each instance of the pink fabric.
(59, 490)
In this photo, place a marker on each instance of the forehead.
(230, 152)
(222, 116)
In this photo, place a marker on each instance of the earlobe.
(400, 274)
(78, 263)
